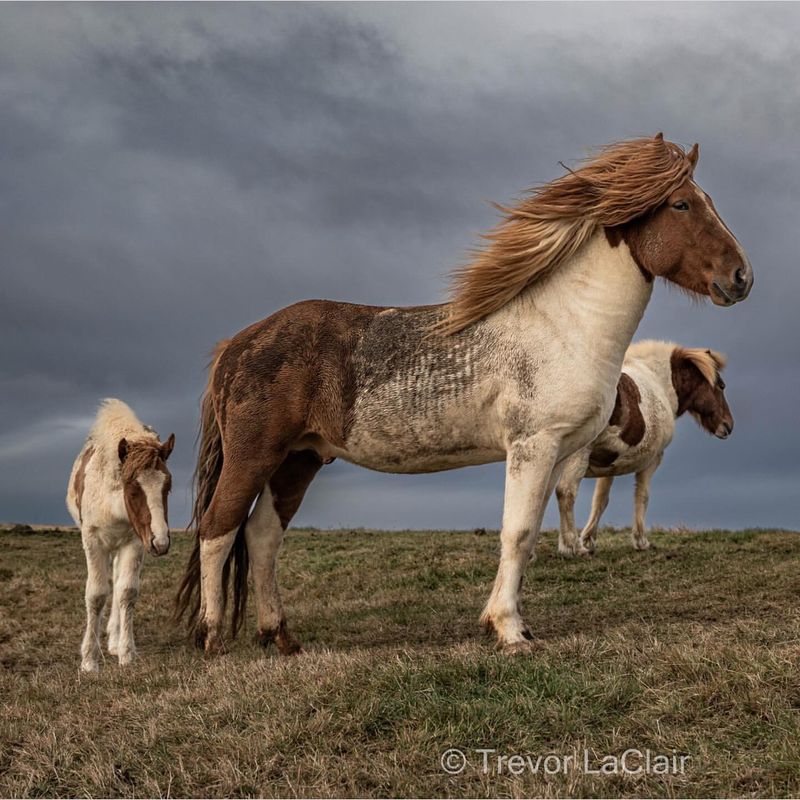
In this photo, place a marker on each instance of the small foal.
(117, 495)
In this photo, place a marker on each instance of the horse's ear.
(659, 137)
(122, 449)
(693, 154)
(166, 448)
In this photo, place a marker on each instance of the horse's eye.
(721, 383)
(681, 205)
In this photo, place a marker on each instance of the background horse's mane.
(623, 181)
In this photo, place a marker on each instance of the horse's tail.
(204, 483)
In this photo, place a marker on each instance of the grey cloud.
(170, 173)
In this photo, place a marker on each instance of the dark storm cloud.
(170, 173)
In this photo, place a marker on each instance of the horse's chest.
(113, 536)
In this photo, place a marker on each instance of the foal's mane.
(623, 181)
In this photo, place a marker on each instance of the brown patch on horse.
(627, 413)
(657, 239)
(80, 478)
(602, 457)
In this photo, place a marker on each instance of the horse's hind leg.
(238, 486)
(265, 530)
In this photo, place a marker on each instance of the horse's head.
(146, 483)
(685, 241)
(700, 389)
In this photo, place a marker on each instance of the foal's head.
(146, 482)
(700, 388)
(685, 241)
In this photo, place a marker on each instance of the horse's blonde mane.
(709, 362)
(623, 181)
(116, 420)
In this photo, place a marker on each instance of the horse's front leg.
(530, 478)
(97, 585)
(126, 593)
(112, 630)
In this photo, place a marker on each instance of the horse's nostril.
(739, 277)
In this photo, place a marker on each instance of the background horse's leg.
(128, 567)
(113, 619)
(602, 488)
(265, 529)
(97, 586)
(530, 477)
(566, 493)
(641, 498)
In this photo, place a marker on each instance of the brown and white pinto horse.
(117, 494)
(522, 366)
(660, 382)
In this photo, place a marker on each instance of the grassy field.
(692, 648)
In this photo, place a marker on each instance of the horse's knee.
(128, 596)
(96, 601)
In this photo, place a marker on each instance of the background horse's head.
(146, 483)
(701, 391)
(684, 240)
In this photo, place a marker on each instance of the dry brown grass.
(693, 647)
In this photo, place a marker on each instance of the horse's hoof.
(90, 667)
(127, 658)
(524, 646)
(645, 545)
(214, 646)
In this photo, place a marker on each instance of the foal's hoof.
(90, 667)
(643, 545)
(127, 658)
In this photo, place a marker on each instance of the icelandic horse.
(117, 495)
(521, 365)
(660, 382)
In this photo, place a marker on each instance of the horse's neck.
(590, 306)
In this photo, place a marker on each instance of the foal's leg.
(113, 619)
(97, 586)
(128, 566)
(602, 488)
(641, 498)
(566, 492)
(530, 479)
(265, 529)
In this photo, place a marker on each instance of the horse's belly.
(394, 440)
(421, 460)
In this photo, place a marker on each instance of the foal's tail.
(204, 483)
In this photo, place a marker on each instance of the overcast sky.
(172, 173)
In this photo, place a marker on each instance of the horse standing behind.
(117, 495)
(522, 366)
(660, 381)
